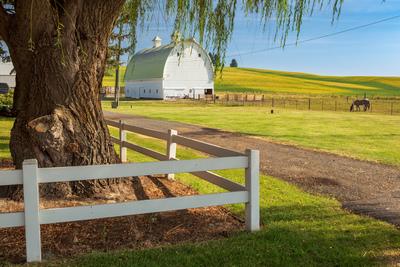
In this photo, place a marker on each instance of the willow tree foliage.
(119, 45)
(59, 51)
(3, 53)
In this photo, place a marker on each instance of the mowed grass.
(5, 128)
(366, 136)
(299, 229)
(245, 80)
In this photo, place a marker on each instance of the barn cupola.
(157, 42)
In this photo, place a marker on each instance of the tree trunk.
(59, 57)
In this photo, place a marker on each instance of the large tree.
(59, 51)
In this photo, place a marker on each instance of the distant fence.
(384, 106)
(31, 176)
(109, 91)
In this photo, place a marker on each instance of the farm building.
(176, 70)
(7, 74)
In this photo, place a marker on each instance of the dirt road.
(363, 187)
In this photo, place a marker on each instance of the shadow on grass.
(4, 146)
(293, 235)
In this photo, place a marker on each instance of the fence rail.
(342, 103)
(31, 176)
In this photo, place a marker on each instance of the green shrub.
(7, 99)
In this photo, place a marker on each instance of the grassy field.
(280, 82)
(299, 229)
(109, 77)
(366, 136)
(5, 127)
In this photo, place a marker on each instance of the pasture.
(244, 80)
(280, 82)
(366, 136)
(299, 229)
(109, 77)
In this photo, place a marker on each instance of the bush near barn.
(6, 102)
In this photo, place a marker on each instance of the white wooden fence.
(31, 176)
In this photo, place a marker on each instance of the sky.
(371, 51)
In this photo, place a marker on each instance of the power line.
(316, 38)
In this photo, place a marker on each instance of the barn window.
(199, 55)
(150, 91)
(157, 91)
(144, 91)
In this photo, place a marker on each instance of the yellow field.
(279, 82)
(267, 81)
(109, 77)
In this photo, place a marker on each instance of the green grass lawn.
(5, 127)
(242, 80)
(366, 136)
(299, 229)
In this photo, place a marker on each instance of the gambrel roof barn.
(176, 70)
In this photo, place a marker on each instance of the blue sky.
(370, 51)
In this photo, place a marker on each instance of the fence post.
(31, 210)
(122, 139)
(309, 104)
(171, 149)
(272, 102)
(253, 188)
(391, 108)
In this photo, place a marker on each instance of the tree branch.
(4, 23)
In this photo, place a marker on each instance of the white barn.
(176, 70)
(7, 74)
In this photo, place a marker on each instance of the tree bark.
(59, 49)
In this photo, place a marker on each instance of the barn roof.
(148, 63)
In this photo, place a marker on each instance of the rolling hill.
(279, 82)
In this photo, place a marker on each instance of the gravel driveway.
(363, 187)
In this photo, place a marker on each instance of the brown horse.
(357, 103)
